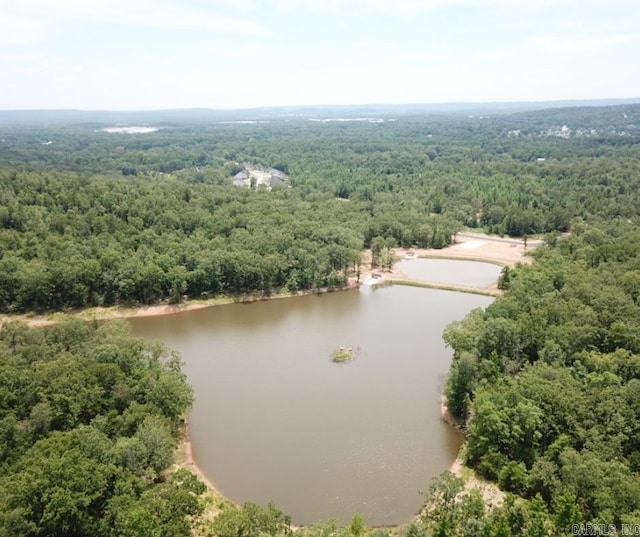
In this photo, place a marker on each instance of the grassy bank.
(445, 287)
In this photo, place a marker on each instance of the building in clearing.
(255, 176)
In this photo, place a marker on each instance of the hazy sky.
(149, 54)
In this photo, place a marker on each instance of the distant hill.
(582, 120)
(101, 118)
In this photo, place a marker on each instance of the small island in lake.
(343, 354)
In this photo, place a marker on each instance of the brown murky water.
(276, 419)
(448, 272)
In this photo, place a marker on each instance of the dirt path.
(482, 247)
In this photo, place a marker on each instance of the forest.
(91, 218)
(89, 419)
(545, 382)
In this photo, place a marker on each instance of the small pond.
(450, 272)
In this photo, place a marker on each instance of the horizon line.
(627, 100)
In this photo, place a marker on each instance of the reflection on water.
(276, 419)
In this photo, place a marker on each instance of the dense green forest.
(89, 419)
(95, 218)
(545, 382)
(547, 379)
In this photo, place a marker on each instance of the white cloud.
(414, 7)
(17, 30)
(408, 8)
(167, 14)
(316, 51)
(573, 44)
(244, 5)
(366, 7)
(335, 7)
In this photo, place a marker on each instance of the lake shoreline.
(508, 256)
(185, 459)
(468, 246)
(491, 493)
(156, 310)
(458, 463)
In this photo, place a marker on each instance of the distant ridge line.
(297, 111)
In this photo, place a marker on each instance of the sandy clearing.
(471, 245)
(482, 247)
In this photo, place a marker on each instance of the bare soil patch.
(483, 247)
(468, 246)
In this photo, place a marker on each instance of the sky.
(167, 54)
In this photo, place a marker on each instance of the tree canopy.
(95, 218)
(546, 379)
(89, 420)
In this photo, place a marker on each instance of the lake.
(276, 419)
